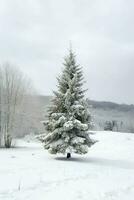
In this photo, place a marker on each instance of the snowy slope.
(105, 173)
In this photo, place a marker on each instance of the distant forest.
(102, 112)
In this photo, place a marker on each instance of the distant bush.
(111, 126)
(108, 126)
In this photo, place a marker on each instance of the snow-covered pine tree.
(68, 118)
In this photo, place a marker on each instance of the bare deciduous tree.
(14, 87)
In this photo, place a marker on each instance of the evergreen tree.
(68, 117)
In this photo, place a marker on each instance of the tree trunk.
(68, 155)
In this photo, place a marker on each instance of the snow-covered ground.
(105, 173)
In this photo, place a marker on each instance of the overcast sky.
(35, 35)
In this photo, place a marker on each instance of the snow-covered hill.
(105, 173)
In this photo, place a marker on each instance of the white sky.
(35, 35)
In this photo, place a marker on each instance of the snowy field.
(105, 173)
